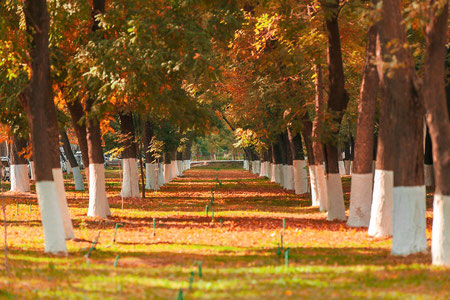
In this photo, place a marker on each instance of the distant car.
(4, 168)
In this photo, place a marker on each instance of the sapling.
(191, 280)
(286, 257)
(154, 226)
(200, 274)
(117, 260)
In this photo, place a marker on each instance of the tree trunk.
(277, 163)
(20, 182)
(438, 121)
(380, 224)
(98, 202)
(298, 162)
(288, 170)
(282, 143)
(362, 180)
(38, 98)
(428, 160)
(76, 113)
(318, 172)
(337, 102)
(77, 177)
(307, 138)
(130, 178)
(270, 162)
(168, 167)
(151, 165)
(409, 224)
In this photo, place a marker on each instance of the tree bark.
(428, 160)
(98, 202)
(130, 178)
(319, 190)
(76, 113)
(362, 179)
(401, 88)
(20, 182)
(337, 102)
(437, 108)
(40, 107)
(78, 178)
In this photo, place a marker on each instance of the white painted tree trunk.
(32, 174)
(289, 178)
(360, 200)
(267, 173)
(167, 173)
(335, 204)
(440, 242)
(314, 192)
(62, 200)
(262, 170)
(284, 176)
(429, 175)
(130, 178)
(322, 192)
(408, 220)
(269, 170)
(180, 165)
(278, 173)
(68, 167)
(78, 179)
(20, 182)
(175, 171)
(341, 167)
(161, 175)
(246, 165)
(52, 223)
(273, 172)
(280, 170)
(98, 202)
(382, 204)
(300, 177)
(150, 176)
(347, 166)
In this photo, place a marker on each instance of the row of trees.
(297, 66)
(91, 66)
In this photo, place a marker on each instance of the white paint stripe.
(335, 195)
(54, 237)
(360, 200)
(408, 220)
(440, 243)
(59, 183)
(382, 204)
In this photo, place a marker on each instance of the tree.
(437, 108)
(20, 182)
(38, 98)
(77, 176)
(130, 178)
(402, 90)
(337, 102)
(362, 179)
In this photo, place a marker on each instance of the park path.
(248, 211)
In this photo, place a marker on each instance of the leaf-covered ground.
(238, 249)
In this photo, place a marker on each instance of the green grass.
(239, 256)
